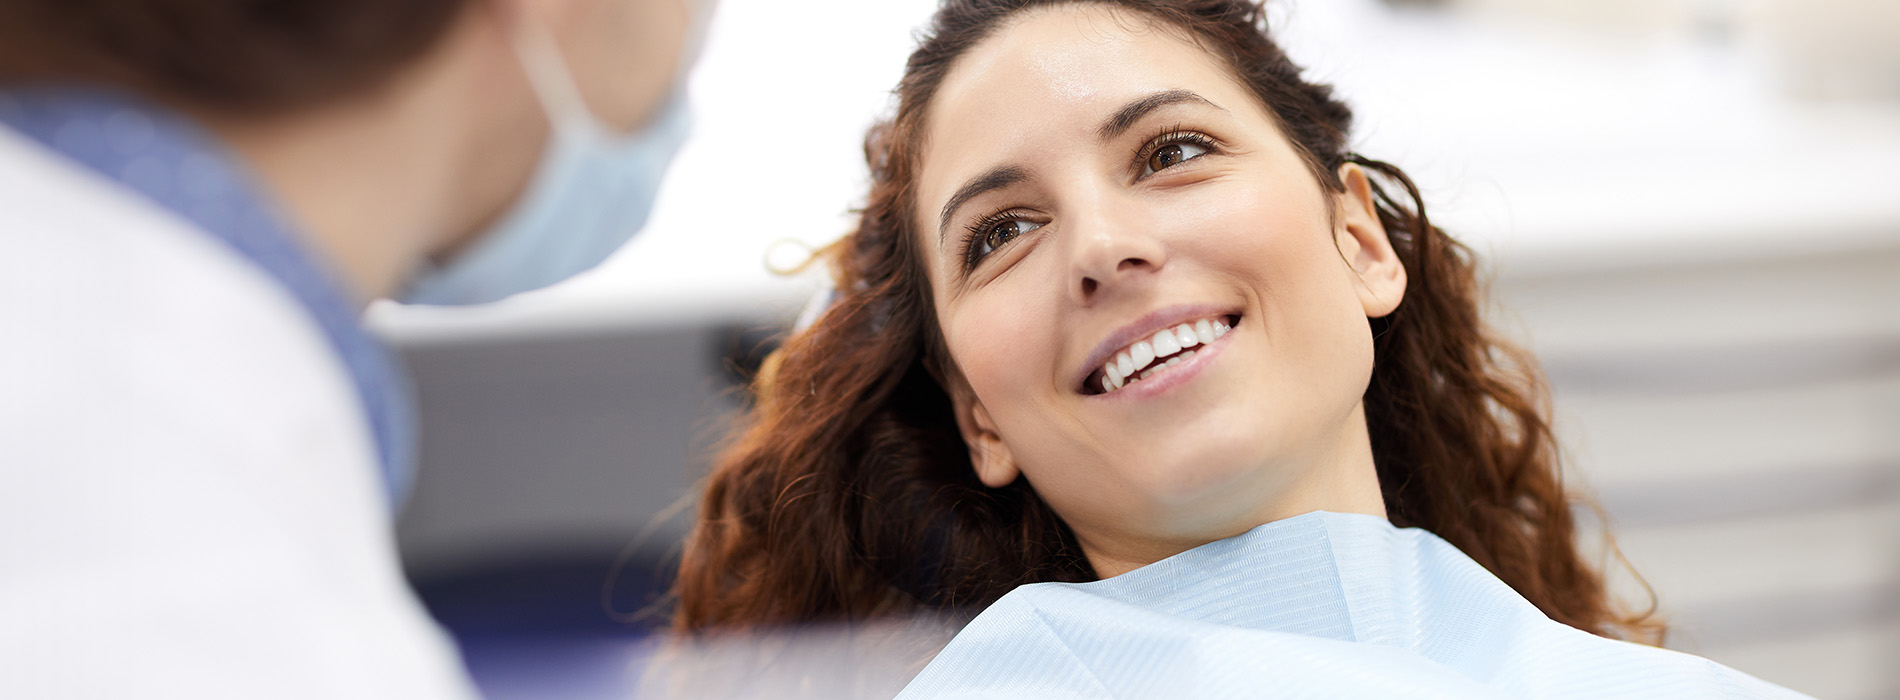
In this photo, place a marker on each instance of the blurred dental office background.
(1691, 209)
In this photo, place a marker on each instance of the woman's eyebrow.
(996, 178)
(1132, 112)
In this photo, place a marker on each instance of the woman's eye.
(1171, 155)
(1001, 233)
(1006, 232)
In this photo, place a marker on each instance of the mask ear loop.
(549, 73)
(699, 27)
(553, 78)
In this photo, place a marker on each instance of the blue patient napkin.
(1321, 605)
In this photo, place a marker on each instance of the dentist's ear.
(994, 464)
(1362, 242)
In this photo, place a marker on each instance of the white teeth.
(1171, 345)
(1166, 344)
(1139, 355)
(1185, 334)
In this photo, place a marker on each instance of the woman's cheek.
(1232, 221)
(994, 344)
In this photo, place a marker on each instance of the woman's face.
(1098, 195)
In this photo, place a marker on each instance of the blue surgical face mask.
(592, 190)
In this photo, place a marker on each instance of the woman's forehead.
(1044, 82)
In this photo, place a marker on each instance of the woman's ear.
(989, 456)
(1363, 244)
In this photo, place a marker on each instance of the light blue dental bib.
(1320, 605)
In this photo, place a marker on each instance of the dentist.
(200, 447)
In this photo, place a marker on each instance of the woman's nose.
(1111, 252)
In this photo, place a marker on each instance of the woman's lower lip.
(1170, 377)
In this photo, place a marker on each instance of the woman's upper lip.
(1147, 325)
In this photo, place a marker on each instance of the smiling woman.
(1120, 296)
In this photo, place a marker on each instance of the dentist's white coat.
(190, 502)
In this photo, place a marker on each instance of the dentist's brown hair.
(248, 57)
(849, 495)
